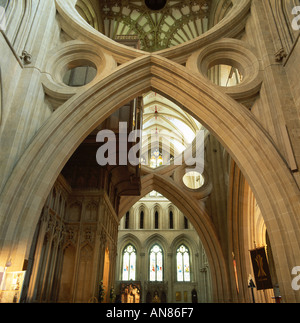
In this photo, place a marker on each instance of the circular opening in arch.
(225, 75)
(79, 73)
(155, 4)
(193, 180)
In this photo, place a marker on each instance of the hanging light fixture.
(155, 4)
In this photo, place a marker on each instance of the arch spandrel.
(236, 128)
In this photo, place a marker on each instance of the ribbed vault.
(176, 23)
(166, 125)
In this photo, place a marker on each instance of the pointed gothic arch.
(236, 128)
(200, 221)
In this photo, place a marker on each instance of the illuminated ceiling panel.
(166, 123)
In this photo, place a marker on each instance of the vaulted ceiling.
(163, 118)
(175, 23)
(153, 25)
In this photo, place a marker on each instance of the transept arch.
(235, 127)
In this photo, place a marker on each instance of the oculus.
(193, 180)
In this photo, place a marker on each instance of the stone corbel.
(26, 57)
(280, 55)
(204, 269)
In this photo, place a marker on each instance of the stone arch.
(247, 231)
(173, 193)
(129, 239)
(185, 240)
(200, 221)
(236, 128)
(155, 239)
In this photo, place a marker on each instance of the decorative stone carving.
(280, 55)
(88, 234)
(71, 234)
(26, 57)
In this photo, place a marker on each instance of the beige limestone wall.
(264, 160)
(292, 68)
(25, 108)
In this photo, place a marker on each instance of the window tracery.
(183, 264)
(129, 263)
(156, 264)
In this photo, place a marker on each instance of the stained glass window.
(129, 263)
(153, 162)
(156, 159)
(156, 264)
(183, 264)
